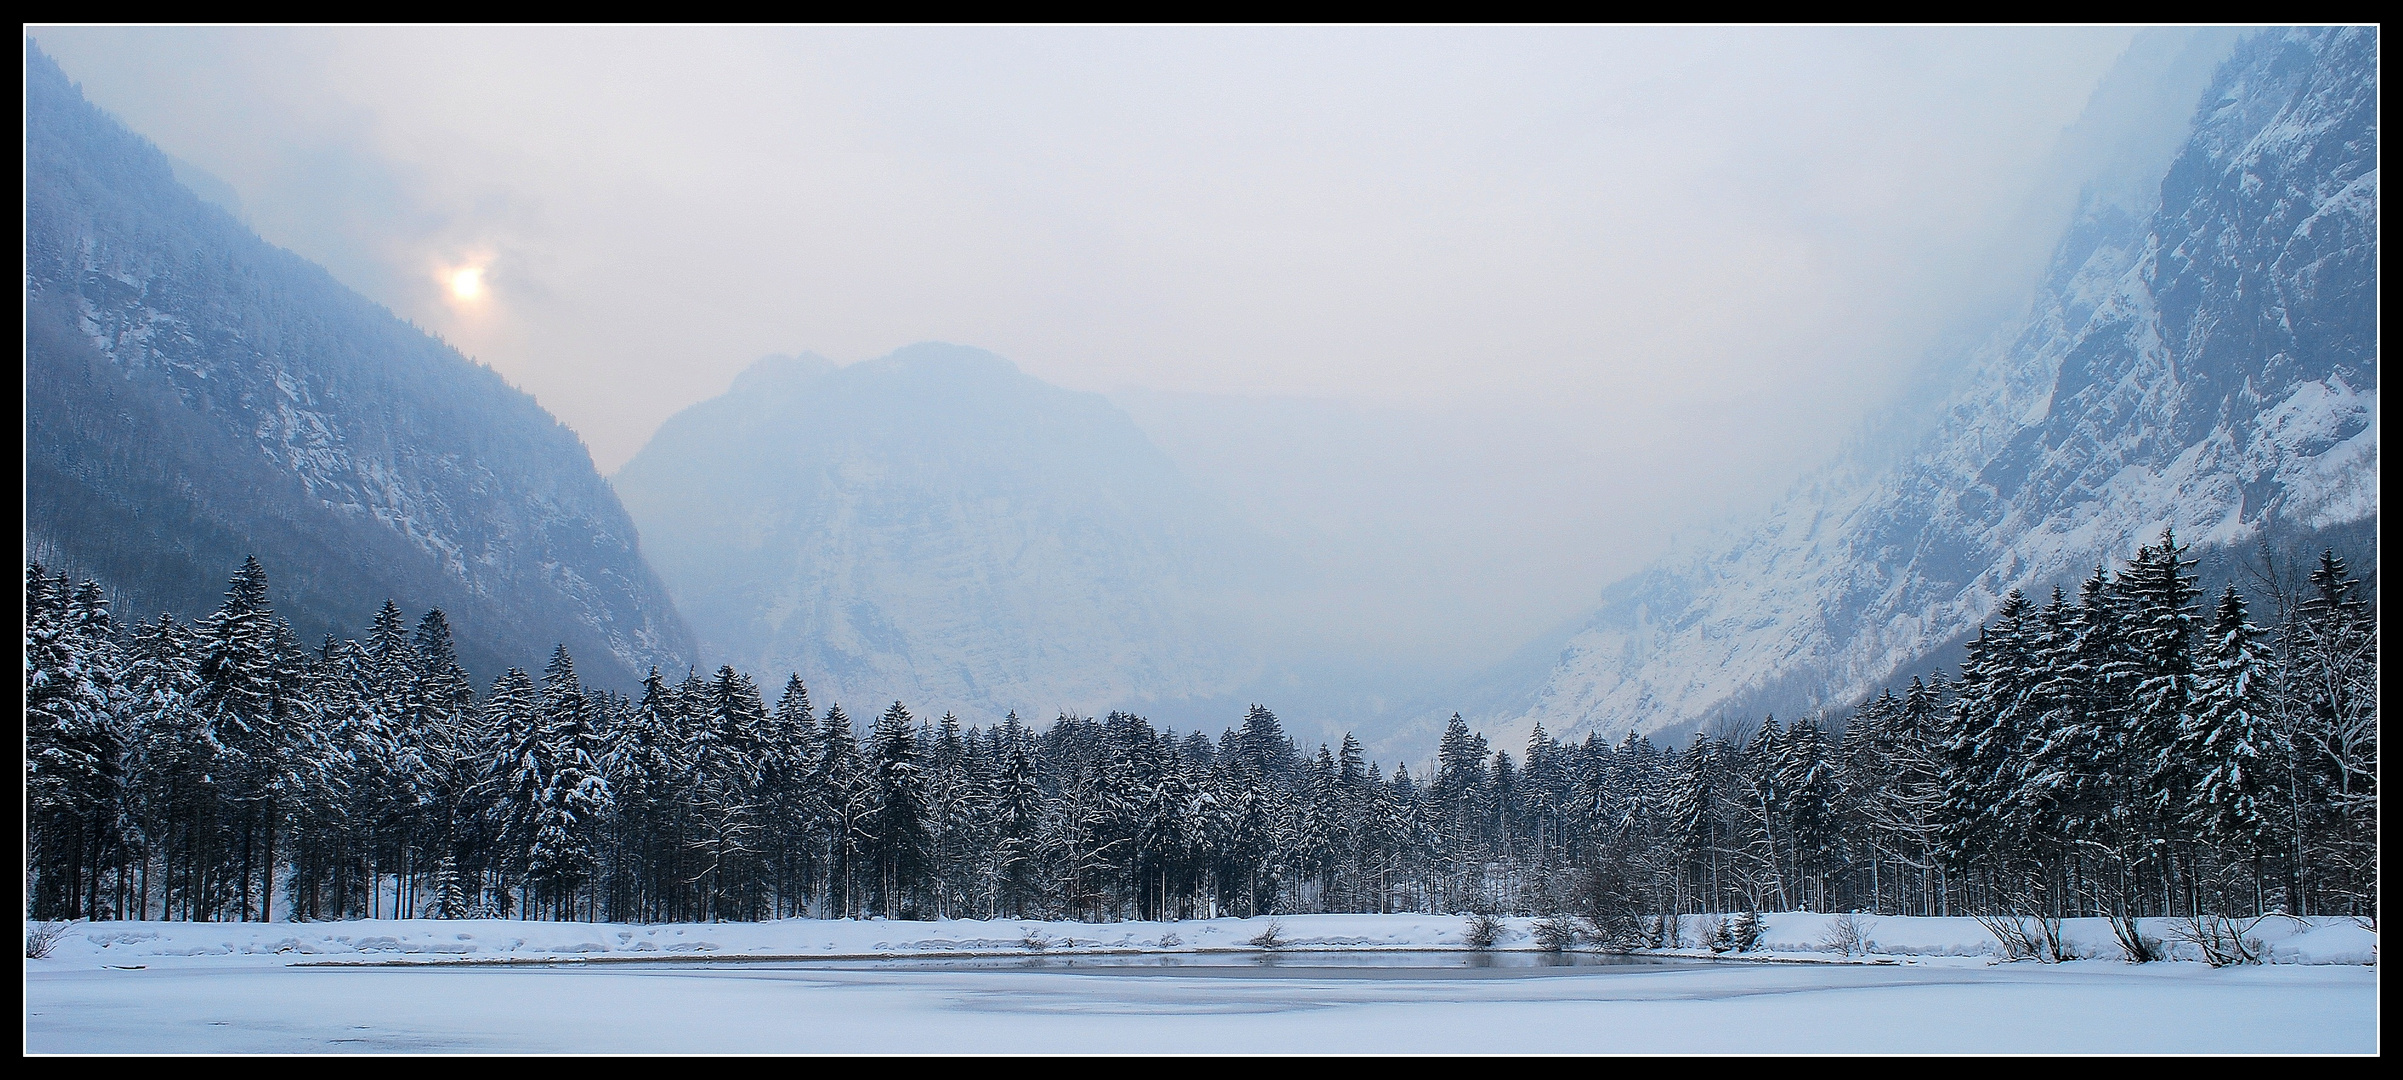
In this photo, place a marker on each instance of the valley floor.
(412, 986)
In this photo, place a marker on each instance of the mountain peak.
(945, 361)
(777, 372)
(933, 525)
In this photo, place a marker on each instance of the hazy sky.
(1701, 254)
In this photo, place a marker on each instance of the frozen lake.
(1302, 1001)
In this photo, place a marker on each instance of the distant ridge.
(938, 527)
(2206, 359)
(195, 395)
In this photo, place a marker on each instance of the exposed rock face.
(195, 395)
(2207, 362)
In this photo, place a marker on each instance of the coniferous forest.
(2127, 746)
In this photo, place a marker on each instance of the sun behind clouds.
(467, 283)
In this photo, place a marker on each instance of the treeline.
(2130, 752)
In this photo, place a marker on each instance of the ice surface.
(1931, 985)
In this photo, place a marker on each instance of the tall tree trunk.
(267, 886)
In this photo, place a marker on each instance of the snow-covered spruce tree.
(1016, 820)
(953, 791)
(1905, 802)
(2330, 650)
(168, 775)
(417, 719)
(1697, 832)
(2234, 745)
(2159, 597)
(1994, 731)
(450, 837)
(1316, 839)
(1240, 836)
(1461, 799)
(788, 760)
(648, 770)
(74, 746)
(331, 821)
(897, 814)
(1812, 803)
(1548, 796)
(844, 787)
(1759, 847)
(562, 775)
(251, 707)
(1167, 840)
(516, 773)
(725, 790)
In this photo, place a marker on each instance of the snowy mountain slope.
(937, 527)
(2208, 363)
(195, 395)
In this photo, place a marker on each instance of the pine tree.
(1318, 832)
(1807, 782)
(725, 794)
(569, 789)
(898, 815)
(74, 747)
(1265, 745)
(516, 775)
(2331, 644)
(648, 773)
(2161, 622)
(2081, 770)
(2230, 740)
(446, 683)
(1017, 817)
(1460, 797)
(844, 786)
(1166, 840)
(787, 763)
(248, 698)
(1697, 823)
(171, 770)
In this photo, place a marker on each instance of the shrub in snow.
(41, 938)
(1713, 933)
(2221, 940)
(2010, 934)
(1485, 930)
(2051, 946)
(1847, 934)
(1556, 933)
(1035, 939)
(1744, 931)
(2138, 948)
(1170, 940)
(1272, 936)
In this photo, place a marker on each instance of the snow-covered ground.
(1930, 985)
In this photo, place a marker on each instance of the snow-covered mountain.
(195, 395)
(2204, 359)
(936, 527)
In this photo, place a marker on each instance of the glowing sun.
(467, 284)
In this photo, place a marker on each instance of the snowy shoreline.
(1787, 937)
(810, 986)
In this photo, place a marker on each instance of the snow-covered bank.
(2284, 939)
(1786, 936)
